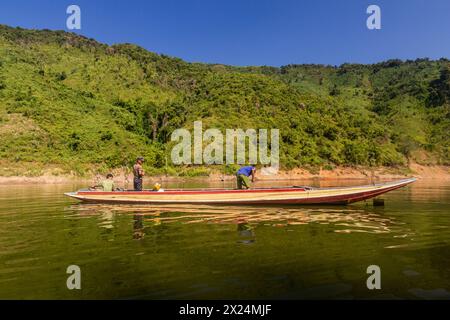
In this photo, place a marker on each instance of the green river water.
(201, 252)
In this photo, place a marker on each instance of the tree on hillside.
(439, 89)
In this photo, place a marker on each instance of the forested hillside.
(73, 104)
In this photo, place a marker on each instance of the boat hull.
(269, 196)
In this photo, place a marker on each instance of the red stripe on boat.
(187, 192)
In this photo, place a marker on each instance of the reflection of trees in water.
(427, 191)
(343, 219)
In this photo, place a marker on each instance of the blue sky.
(253, 32)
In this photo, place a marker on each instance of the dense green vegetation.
(71, 103)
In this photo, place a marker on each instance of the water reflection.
(341, 219)
(107, 219)
(204, 252)
(138, 227)
(246, 232)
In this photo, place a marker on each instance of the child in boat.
(242, 176)
(107, 184)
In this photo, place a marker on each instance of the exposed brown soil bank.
(415, 170)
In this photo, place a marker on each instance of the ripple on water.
(353, 219)
(216, 252)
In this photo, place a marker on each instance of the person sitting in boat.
(107, 184)
(242, 176)
(138, 173)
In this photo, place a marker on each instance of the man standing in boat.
(138, 173)
(242, 176)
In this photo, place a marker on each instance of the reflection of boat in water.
(257, 196)
(341, 219)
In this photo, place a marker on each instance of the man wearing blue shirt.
(242, 176)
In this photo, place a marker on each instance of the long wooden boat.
(257, 196)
